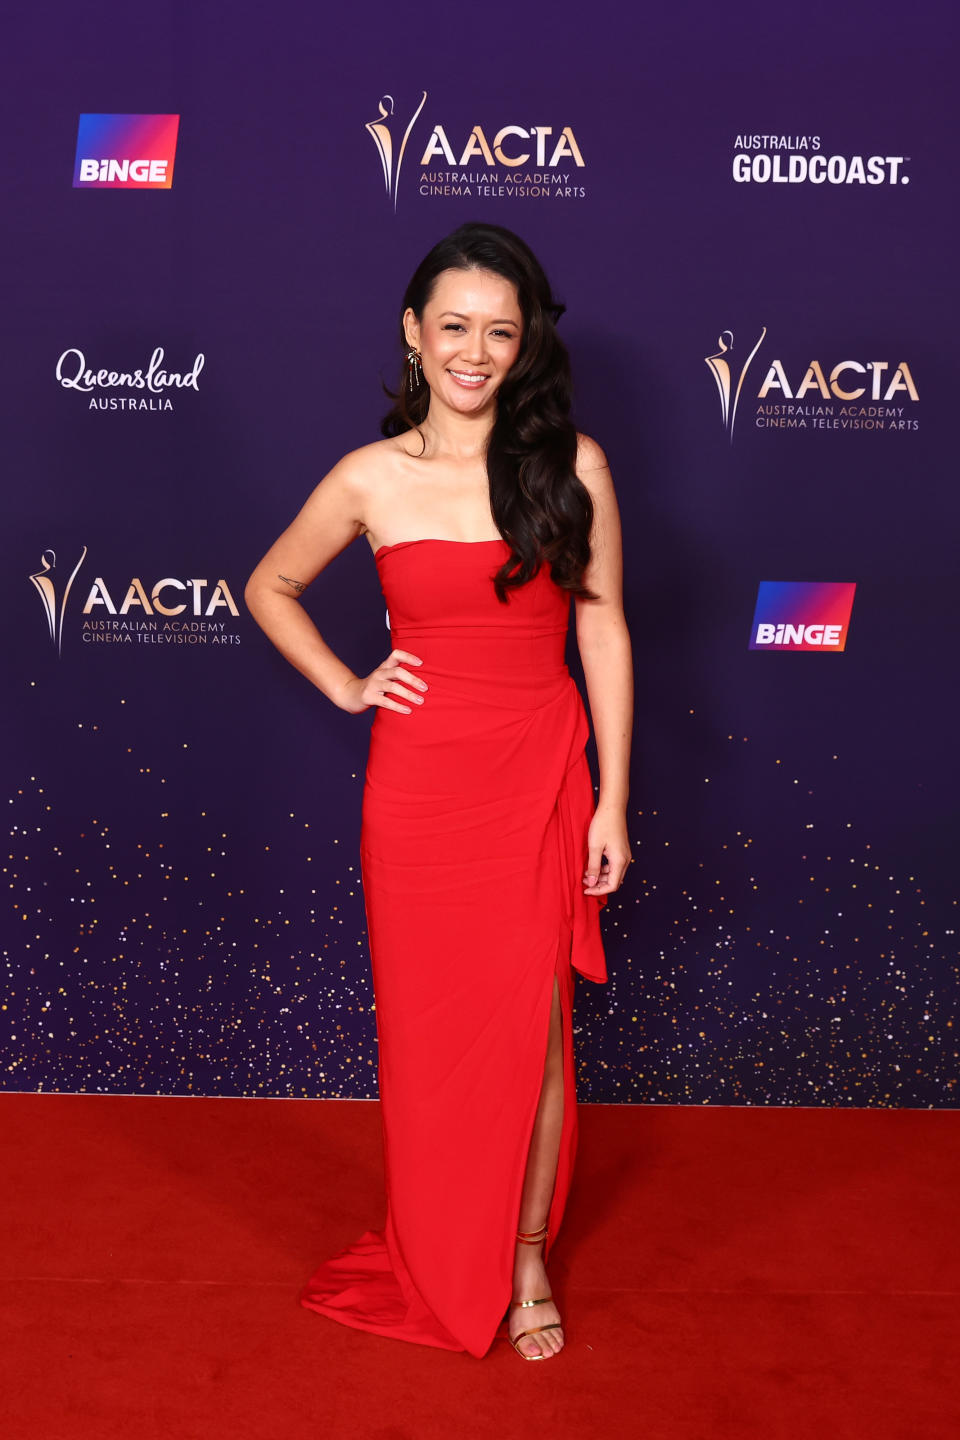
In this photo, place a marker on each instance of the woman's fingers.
(611, 879)
(414, 680)
(385, 703)
(384, 687)
(608, 851)
(604, 875)
(393, 687)
(591, 875)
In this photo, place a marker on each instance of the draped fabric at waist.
(515, 668)
(476, 789)
(489, 704)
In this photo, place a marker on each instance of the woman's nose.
(474, 348)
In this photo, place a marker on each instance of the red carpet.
(723, 1272)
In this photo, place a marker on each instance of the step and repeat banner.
(211, 220)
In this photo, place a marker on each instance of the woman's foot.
(530, 1283)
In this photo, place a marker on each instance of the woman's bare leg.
(529, 1275)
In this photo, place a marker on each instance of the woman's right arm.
(329, 521)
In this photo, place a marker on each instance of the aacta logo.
(133, 152)
(167, 597)
(511, 146)
(192, 611)
(859, 394)
(883, 381)
(802, 615)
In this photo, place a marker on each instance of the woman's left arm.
(604, 644)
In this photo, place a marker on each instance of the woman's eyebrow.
(467, 317)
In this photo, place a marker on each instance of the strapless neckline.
(430, 540)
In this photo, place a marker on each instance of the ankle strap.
(532, 1237)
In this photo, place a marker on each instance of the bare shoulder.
(351, 488)
(362, 470)
(591, 464)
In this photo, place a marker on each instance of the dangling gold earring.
(414, 370)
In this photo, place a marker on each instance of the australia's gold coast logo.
(54, 598)
(391, 141)
(729, 379)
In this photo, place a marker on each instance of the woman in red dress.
(484, 858)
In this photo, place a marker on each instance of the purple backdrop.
(184, 809)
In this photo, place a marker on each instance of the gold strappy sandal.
(532, 1237)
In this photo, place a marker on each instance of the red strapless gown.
(475, 815)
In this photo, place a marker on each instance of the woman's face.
(469, 337)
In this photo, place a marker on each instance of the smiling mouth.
(464, 377)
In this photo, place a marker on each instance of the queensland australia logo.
(495, 162)
(147, 388)
(172, 611)
(802, 615)
(860, 394)
(129, 152)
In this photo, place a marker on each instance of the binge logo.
(801, 615)
(133, 152)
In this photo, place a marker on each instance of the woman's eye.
(500, 334)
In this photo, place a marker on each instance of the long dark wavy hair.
(539, 505)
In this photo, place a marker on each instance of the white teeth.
(468, 379)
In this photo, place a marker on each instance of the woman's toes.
(550, 1344)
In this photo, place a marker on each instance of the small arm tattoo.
(298, 585)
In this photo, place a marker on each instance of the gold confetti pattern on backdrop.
(189, 960)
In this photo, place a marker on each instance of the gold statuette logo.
(46, 587)
(723, 374)
(382, 132)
